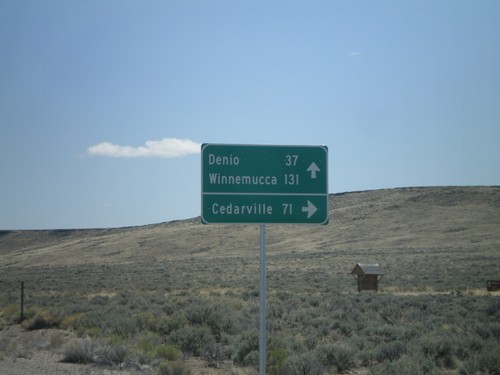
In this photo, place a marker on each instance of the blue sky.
(103, 103)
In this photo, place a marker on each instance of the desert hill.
(450, 235)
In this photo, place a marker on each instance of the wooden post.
(22, 302)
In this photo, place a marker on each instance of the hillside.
(446, 237)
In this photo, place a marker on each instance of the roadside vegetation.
(182, 298)
(325, 332)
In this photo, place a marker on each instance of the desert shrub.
(310, 339)
(124, 326)
(367, 356)
(145, 321)
(110, 354)
(442, 350)
(247, 348)
(174, 368)
(277, 310)
(493, 308)
(488, 360)
(215, 316)
(390, 351)
(100, 300)
(124, 297)
(469, 346)
(168, 325)
(345, 327)
(408, 365)
(88, 320)
(487, 330)
(168, 352)
(305, 363)
(92, 332)
(10, 314)
(383, 332)
(250, 294)
(469, 367)
(495, 330)
(79, 351)
(147, 346)
(339, 355)
(168, 307)
(215, 354)
(110, 320)
(69, 321)
(277, 361)
(193, 340)
(56, 339)
(42, 319)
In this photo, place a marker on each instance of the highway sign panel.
(264, 184)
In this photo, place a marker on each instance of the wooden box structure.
(368, 276)
(493, 285)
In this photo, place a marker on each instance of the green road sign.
(264, 184)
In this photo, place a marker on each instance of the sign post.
(264, 184)
(262, 302)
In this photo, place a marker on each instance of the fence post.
(22, 302)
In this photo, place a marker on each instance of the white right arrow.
(310, 209)
(313, 168)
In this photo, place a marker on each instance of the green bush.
(113, 319)
(10, 314)
(168, 352)
(168, 325)
(147, 346)
(277, 361)
(174, 368)
(247, 348)
(145, 321)
(194, 340)
(69, 321)
(124, 327)
(90, 319)
(215, 316)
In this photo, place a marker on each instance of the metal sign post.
(262, 302)
(264, 184)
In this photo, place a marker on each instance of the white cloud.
(354, 54)
(164, 148)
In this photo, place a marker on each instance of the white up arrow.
(313, 168)
(310, 209)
